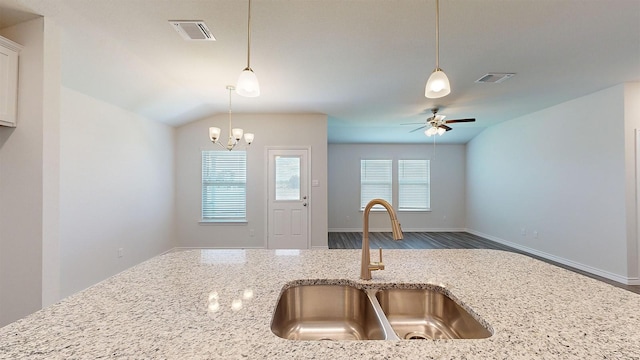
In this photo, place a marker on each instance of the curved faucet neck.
(366, 266)
(367, 210)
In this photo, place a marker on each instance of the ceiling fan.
(437, 125)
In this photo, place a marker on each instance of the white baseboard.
(403, 229)
(181, 248)
(590, 269)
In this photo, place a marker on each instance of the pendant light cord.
(249, 37)
(437, 34)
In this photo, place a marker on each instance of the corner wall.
(116, 190)
(270, 130)
(21, 182)
(632, 160)
(553, 183)
(447, 186)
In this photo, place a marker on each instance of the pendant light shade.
(438, 83)
(248, 85)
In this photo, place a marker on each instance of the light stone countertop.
(161, 309)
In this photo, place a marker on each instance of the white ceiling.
(364, 63)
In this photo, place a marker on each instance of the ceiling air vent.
(193, 30)
(494, 78)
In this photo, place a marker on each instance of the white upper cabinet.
(8, 81)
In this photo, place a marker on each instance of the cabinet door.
(8, 82)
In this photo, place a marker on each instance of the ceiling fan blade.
(420, 128)
(445, 127)
(459, 121)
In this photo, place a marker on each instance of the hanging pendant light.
(248, 85)
(234, 134)
(438, 83)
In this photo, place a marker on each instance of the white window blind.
(224, 185)
(413, 185)
(375, 181)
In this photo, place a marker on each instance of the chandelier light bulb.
(237, 134)
(214, 134)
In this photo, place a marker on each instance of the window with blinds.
(375, 181)
(224, 186)
(413, 185)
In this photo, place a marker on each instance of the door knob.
(304, 204)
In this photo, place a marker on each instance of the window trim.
(390, 183)
(427, 183)
(395, 186)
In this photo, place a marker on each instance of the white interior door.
(288, 199)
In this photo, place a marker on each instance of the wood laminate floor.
(444, 240)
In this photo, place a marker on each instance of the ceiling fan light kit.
(438, 84)
(248, 85)
(434, 130)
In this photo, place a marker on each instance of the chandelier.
(234, 134)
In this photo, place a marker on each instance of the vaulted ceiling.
(364, 63)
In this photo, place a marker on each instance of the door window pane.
(287, 178)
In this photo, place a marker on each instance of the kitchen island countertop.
(217, 304)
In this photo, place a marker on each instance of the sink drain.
(416, 335)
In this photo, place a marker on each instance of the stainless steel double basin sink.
(346, 312)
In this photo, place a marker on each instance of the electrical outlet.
(120, 252)
(252, 232)
(535, 234)
(523, 232)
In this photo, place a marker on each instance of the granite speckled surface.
(217, 304)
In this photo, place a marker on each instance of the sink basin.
(344, 312)
(428, 314)
(326, 312)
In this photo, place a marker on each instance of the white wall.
(447, 186)
(116, 190)
(632, 159)
(270, 130)
(51, 164)
(560, 172)
(21, 183)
